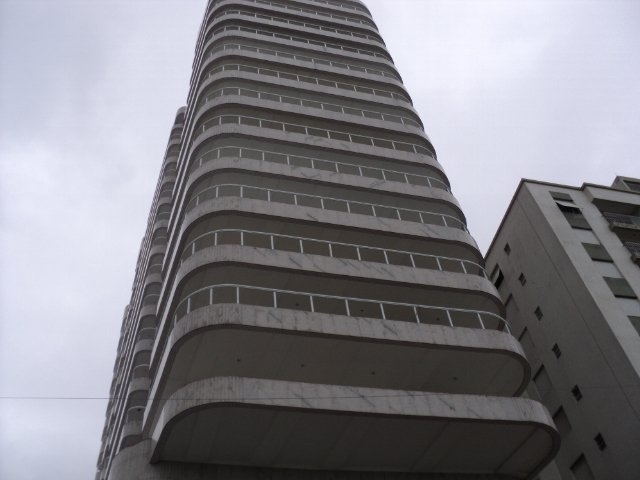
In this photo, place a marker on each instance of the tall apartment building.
(566, 260)
(308, 302)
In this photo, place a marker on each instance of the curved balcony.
(312, 27)
(359, 307)
(366, 23)
(321, 165)
(333, 249)
(324, 203)
(295, 345)
(342, 88)
(235, 21)
(299, 101)
(343, 136)
(267, 423)
(235, 45)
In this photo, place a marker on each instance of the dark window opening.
(577, 394)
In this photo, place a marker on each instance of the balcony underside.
(266, 423)
(289, 345)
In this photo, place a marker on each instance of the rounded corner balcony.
(267, 423)
(289, 344)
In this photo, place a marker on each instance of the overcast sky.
(507, 89)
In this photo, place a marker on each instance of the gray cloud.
(88, 90)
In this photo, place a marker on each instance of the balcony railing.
(300, 58)
(291, 38)
(620, 220)
(325, 203)
(633, 247)
(338, 305)
(306, 79)
(300, 102)
(330, 249)
(297, 23)
(317, 13)
(311, 132)
(318, 164)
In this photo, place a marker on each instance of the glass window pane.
(228, 191)
(410, 216)
(282, 197)
(331, 204)
(314, 247)
(293, 301)
(200, 299)
(308, 201)
(344, 251)
(386, 212)
(286, 243)
(259, 240)
(322, 165)
(402, 313)
(372, 255)
(348, 169)
(224, 295)
(359, 308)
(465, 319)
(372, 173)
(229, 238)
(433, 316)
(300, 161)
(333, 306)
(423, 261)
(361, 208)
(254, 296)
(394, 177)
(399, 258)
(451, 265)
(275, 157)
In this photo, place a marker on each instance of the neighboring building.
(566, 260)
(308, 302)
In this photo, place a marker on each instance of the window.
(597, 252)
(522, 279)
(507, 249)
(599, 439)
(635, 321)
(562, 422)
(577, 394)
(499, 277)
(580, 469)
(542, 381)
(538, 313)
(573, 215)
(620, 287)
(634, 186)
(561, 196)
(556, 350)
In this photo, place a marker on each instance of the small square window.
(620, 287)
(538, 313)
(507, 249)
(599, 439)
(577, 394)
(597, 252)
(562, 422)
(561, 196)
(556, 350)
(499, 278)
(522, 279)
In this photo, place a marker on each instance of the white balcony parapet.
(350, 306)
(324, 203)
(332, 249)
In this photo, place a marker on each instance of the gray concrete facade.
(308, 301)
(565, 260)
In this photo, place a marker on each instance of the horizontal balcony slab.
(243, 340)
(453, 289)
(266, 423)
